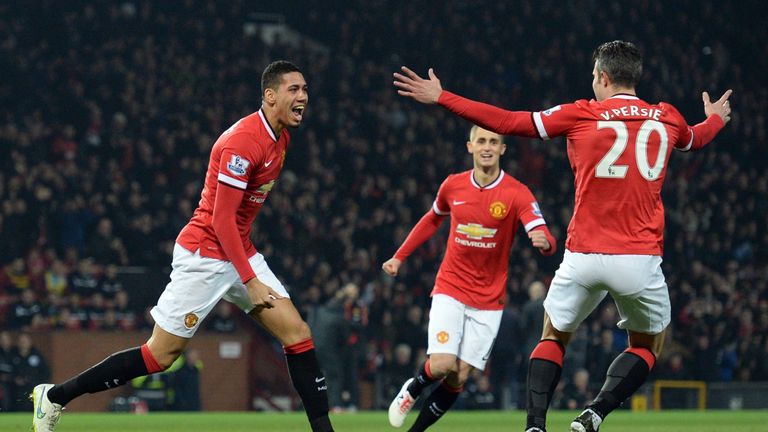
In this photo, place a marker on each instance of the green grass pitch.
(455, 421)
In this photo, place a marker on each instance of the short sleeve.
(558, 120)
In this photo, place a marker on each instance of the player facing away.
(214, 258)
(618, 146)
(485, 205)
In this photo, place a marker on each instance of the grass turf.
(456, 421)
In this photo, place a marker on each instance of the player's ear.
(503, 148)
(469, 147)
(270, 96)
(605, 79)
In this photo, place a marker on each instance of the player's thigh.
(238, 293)
(283, 322)
(480, 330)
(197, 284)
(648, 310)
(446, 325)
(569, 299)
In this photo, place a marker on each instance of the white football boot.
(46, 413)
(401, 406)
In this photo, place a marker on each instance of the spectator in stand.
(83, 281)
(29, 367)
(8, 353)
(56, 279)
(24, 311)
(110, 284)
(221, 320)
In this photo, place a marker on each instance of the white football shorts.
(635, 282)
(198, 283)
(461, 330)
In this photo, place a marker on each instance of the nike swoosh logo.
(317, 380)
(458, 202)
(267, 164)
(40, 413)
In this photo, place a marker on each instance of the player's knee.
(166, 359)
(298, 332)
(440, 366)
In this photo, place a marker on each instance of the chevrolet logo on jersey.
(476, 231)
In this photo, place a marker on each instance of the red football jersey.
(483, 224)
(247, 156)
(618, 150)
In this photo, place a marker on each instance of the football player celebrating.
(214, 258)
(618, 146)
(485, 205)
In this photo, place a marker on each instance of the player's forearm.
(490, 117)
(421, 232)
(225, 227)
(705, 132)
(550, 238)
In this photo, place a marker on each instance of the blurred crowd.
(108, 112)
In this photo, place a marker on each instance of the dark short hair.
(622, 62)
(274, 72)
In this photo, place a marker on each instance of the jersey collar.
(492, 185)
(623, 96)
(267, 126)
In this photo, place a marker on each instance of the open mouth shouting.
(298, 112)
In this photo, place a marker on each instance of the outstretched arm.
(421, 232)
(718, 115)
(430, 91)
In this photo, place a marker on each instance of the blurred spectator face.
(27, 296)
(402, 354)
(121, 299)
(111, 271)
(6, 342)
(414, 315)
(606, 338)
(486, 147)
(58, 267)
(17, 266)
(536, 291)
(105, 227)
(85, 266)
(581, 379)
(25, 343)
(193, 356)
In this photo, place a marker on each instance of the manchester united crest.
(498, 210)
(190, 320)
(443, 337)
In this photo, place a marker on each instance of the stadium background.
(108, 111)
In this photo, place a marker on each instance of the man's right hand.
(411, 85)
(391, 266)
(261, 295)
(721, 107)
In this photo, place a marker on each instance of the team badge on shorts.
(443, 337)
(190, 320)
(498, 210)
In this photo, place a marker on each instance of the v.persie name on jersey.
(475, 232)
(632, 111)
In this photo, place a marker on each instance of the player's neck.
(486, 175)
(271, 117)
(626, 91)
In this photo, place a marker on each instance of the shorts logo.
(498, 210)
(190, 320)
(237, 165)
(443, 337)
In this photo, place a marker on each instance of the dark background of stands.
(108, 112)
